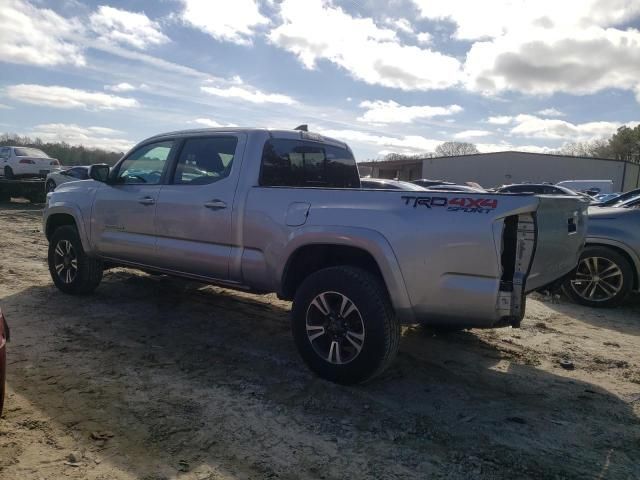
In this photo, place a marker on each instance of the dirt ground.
(156, 378)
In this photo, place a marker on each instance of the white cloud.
(93, 137)
(381, 112)
(209, 122)
(500, 120)
(120, 87)
(402, 144)
(36, 36)
(550, 112)
(316, 30)
(64, 97)
(466, 134)
(248, 94)
(505, 147)
(536, 127)
(126, 28)
(424, 38)
(234, 21)
(545, 46)
(403, 25)
(5, 107)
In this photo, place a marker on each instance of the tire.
(65, 249)
(339, 343)
(587, 287)
(8, 173)
(50, 186)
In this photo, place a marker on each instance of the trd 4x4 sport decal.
(458, 204)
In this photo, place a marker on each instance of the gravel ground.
(156, 378)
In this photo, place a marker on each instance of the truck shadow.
(178, 371)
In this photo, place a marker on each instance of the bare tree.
(594, 148)
(401, 156)
(452, 149)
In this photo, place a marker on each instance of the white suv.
(26, 162)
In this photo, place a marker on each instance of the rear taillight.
(27, 160)
(55, 162)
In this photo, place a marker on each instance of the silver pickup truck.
(283, 211)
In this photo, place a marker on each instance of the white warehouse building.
(500, 168)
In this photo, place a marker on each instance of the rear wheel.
(72, 270)
(603, 278)
(344, 326)
(8, 173)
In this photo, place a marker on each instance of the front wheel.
(344, 326)
(72, 270)
(603, 278)
(8, 173)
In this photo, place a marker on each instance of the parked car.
(603, 198)
(427, 182)
(282, 211)
(384, 184)
(62, 176)
(609, 267)
(621, 198)
(456, 188)
(4, 338)
(633, 202)
(26, 162)
(591, 187)
(536, 188)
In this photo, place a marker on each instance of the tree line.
(622, 145)
(67, 154)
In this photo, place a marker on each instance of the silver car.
(610, 264)
(68, 175)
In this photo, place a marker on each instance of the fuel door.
(297, 213)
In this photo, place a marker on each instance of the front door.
(123, 226)
(194, 212)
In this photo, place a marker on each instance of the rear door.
(194, 212)
(123, 225)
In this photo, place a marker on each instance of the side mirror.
(99, 172)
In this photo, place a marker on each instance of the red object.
(4, 338)
(27, 160)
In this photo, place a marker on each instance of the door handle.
(215, 205)
(146, 201)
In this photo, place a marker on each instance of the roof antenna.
(303, 128)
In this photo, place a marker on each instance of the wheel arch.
(60, 216)
(311, 251)
(623, 250)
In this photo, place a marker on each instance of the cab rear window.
(299, 163)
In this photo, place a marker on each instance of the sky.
(384, 76)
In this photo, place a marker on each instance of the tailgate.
(561, 225)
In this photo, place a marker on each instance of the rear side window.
(298, 163)
(30, 152)
(205, 160)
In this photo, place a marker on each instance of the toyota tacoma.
(283, 211)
